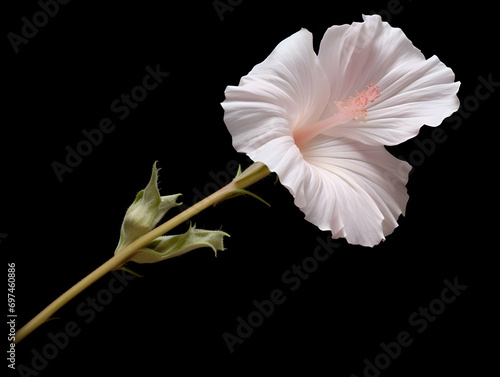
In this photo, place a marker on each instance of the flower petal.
(355, 190)
(286, 90)
(359, 191)
(414, 91)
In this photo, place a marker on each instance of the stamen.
(355, 107)
(349, 109)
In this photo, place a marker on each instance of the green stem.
(253, 174)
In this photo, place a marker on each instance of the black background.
(172, 320)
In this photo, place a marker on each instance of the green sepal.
(130, 271)
(239, 192)
(166, 247)
(239, 177)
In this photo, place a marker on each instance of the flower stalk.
(253, 174)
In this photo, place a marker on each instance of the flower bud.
(145, 212)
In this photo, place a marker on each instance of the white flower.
(321, 122)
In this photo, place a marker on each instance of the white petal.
(285, 91)
(414, 91)
(356, 191)
(282, 156)
(359, 190)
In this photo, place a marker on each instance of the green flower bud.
(145, 212)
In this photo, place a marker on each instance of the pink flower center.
(353, 108)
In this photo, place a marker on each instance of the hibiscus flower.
(321, 121)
